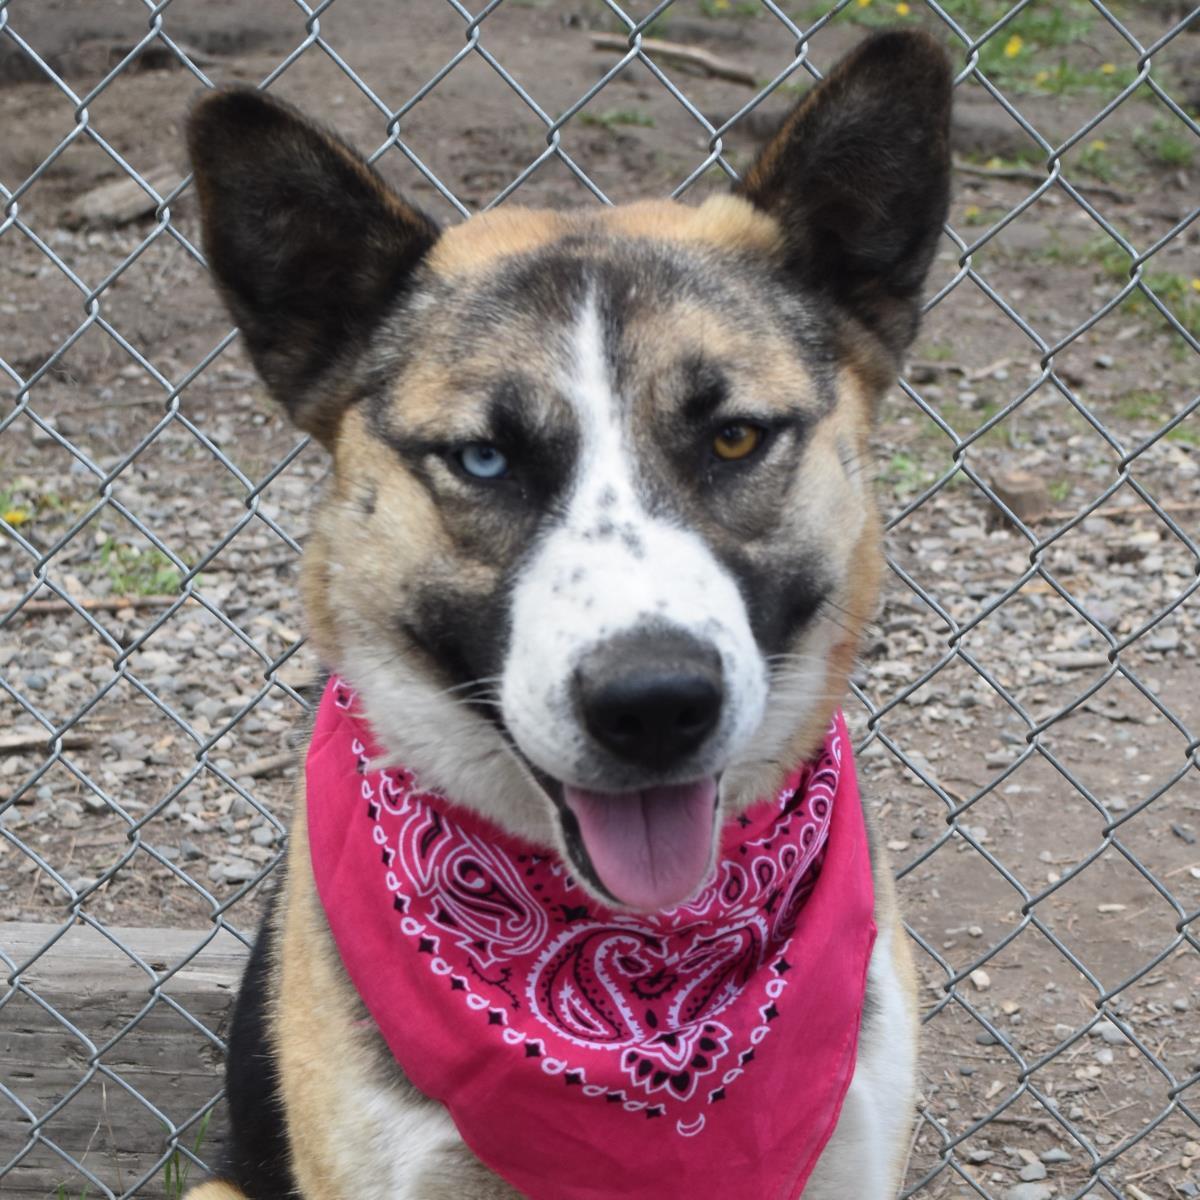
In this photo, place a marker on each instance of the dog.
(592, 569)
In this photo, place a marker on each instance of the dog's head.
(599, 543)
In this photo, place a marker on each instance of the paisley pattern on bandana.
(457, 931)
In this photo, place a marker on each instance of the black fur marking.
(256, 1155)
(781, 598)
(707, 390)
(465, 634)
(859, 179)
(310, 247)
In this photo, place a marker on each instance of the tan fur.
(477, 244)
(216, 1189)
(723, 222)
(887, 916)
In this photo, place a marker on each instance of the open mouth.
(649, 849)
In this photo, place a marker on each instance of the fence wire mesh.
(1027, 709)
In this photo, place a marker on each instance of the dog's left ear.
(858, 178)
(309, 246)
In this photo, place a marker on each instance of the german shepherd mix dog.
(594, 565)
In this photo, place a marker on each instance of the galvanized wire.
(69, 904)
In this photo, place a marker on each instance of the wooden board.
(120, 1029)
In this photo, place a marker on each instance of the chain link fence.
(1027, 711)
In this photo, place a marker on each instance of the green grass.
(1166, 143)
(1145, 407)
(1095, 160)
(136, 572)
(1139, 406)
(1025, 55)
(178, 1166)
(744, 10)
(612, 117)
(1059, 490)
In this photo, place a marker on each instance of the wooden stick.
(19, 742)
(269, 764)
(1184, 508)
(1026, 175)
(35, 608)
(691, 56)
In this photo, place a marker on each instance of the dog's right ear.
(309, 246)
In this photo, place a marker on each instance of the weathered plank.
(166, 1055)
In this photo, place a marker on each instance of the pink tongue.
(651, 849)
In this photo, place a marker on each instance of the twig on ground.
(269, 764)
(92, 604)
(714, 65)
(21, 740)
(1028, 175)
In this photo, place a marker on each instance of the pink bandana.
(590, 1054)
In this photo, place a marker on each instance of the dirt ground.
(1030, 694)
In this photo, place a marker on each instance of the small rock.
(980, 980)
(1104, 1056)
(1108, 1032)
(1055, 1155)
(264, 835)
(237, 870)
(979, 1156)
(984, 1038)
(1029, 1191)
(1180, 1004)
(1032, 1172)
(189, 850)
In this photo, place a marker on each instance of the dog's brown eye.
(738, 440)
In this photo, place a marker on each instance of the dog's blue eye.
(483, 461)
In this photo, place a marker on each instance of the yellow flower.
(1041, 77)
(902, 9)
(972, 211)
(863, 3)
(1196, 285)
(1013, 46)
(1099, 145)
(15, 516)
(1108, 69)
(722, 5)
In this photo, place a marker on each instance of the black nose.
(650, 698)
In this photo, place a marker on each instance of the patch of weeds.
(612, 117)
(1179, 293)
(63, 1194)
(1059, 490)
(178, 1166)
(1163, 143)
(1064, 78)
(904, 476)
(136, 572)
(1183, 435)
(1139, 406)
(742, 9)
(1094, 159)
(1020, 160)
(936, 352)
(659, 27)
(11, 513)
